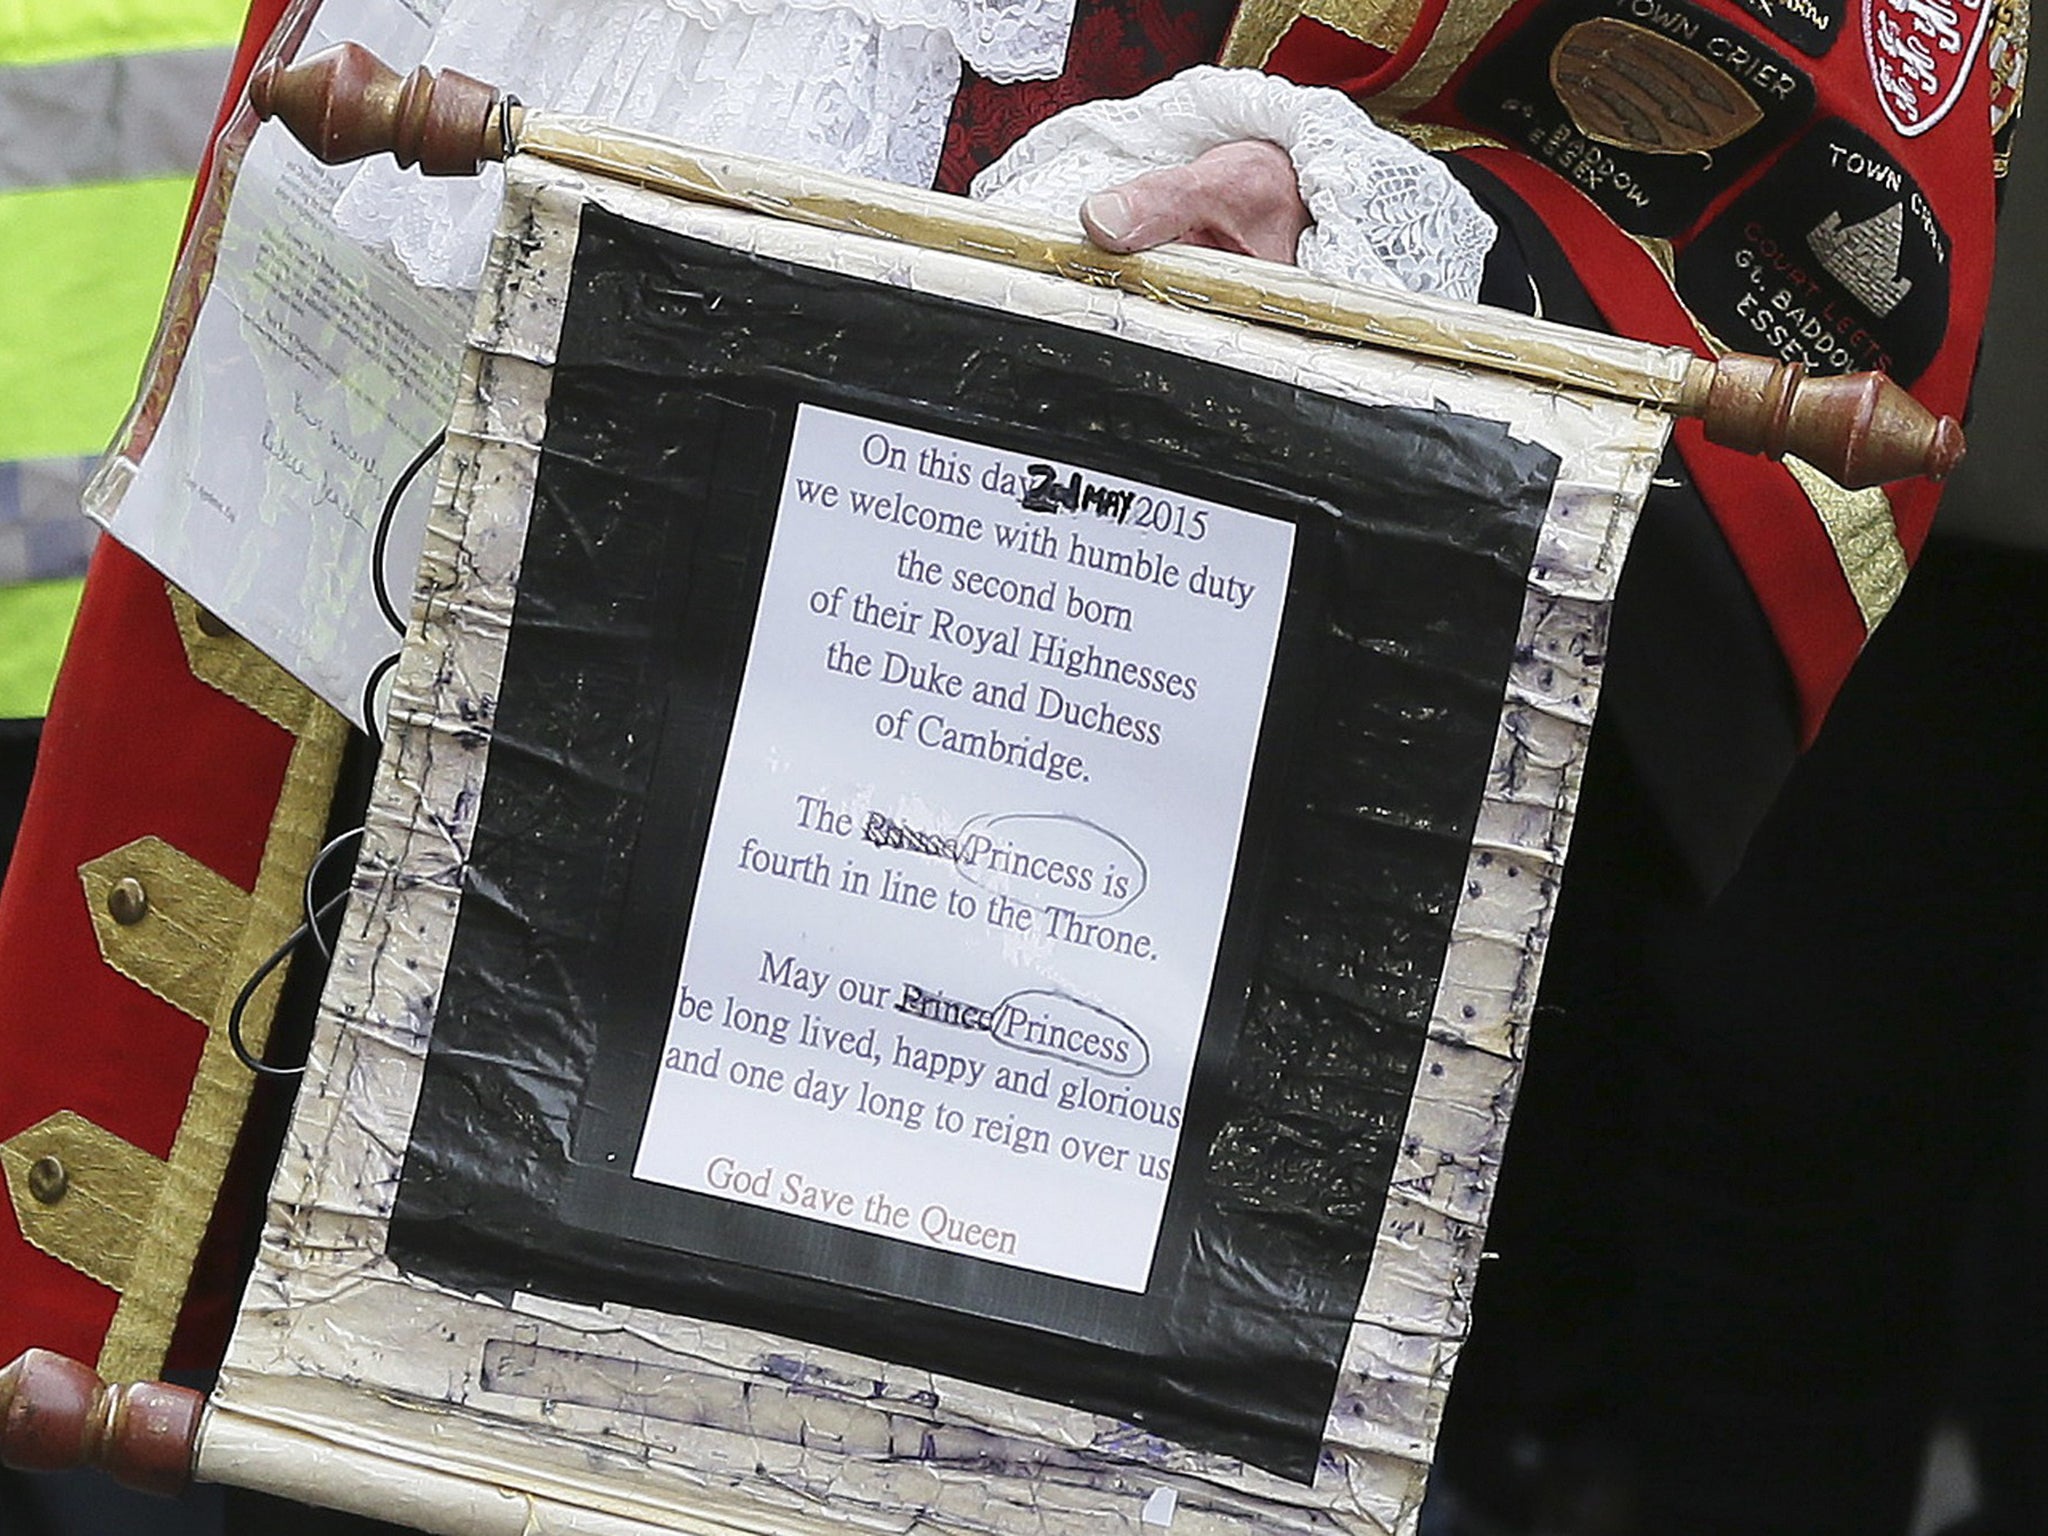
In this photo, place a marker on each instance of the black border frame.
(645, 545)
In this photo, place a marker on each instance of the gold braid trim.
(228, 662)
(178, 948)
(1434, 138)
(1260, 25)
(1465, 23)
(196, 939)
(1256, 32)
(80, 1194)
(1865, 536)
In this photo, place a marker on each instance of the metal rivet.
(128, 902)
(47, 1180)
(213, 625)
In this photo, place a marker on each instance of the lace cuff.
(819, 86)
(1385, 213)
(1005, 40)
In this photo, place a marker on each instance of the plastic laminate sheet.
(957, 884)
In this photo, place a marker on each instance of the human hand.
(1239, 197)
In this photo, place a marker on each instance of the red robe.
(1852, 185)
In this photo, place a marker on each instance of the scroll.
(951, 907)
(950, 913)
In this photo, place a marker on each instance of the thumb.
(1149, 210)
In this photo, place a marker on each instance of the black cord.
(383, 538)
(306, 896)
(310, 926)
(277, 958)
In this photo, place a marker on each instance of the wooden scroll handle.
(1860, 429)
(345, 104)
(55, 1414)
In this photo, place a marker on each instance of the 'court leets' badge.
(1653, 107)
(1834, 258)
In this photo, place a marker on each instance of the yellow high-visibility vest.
(104, 109)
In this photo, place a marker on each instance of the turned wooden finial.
(1859, 429)
(56, 1414)
(346, 103)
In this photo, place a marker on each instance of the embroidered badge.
(1834, 258)
(1811, 26)
(1632, 88)
(1920, 53)
(1652, 107)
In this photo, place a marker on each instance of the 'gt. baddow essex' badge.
(1834, 258)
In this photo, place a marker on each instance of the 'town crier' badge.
(1652, 107)
(1834, 259)
(1920, 53)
